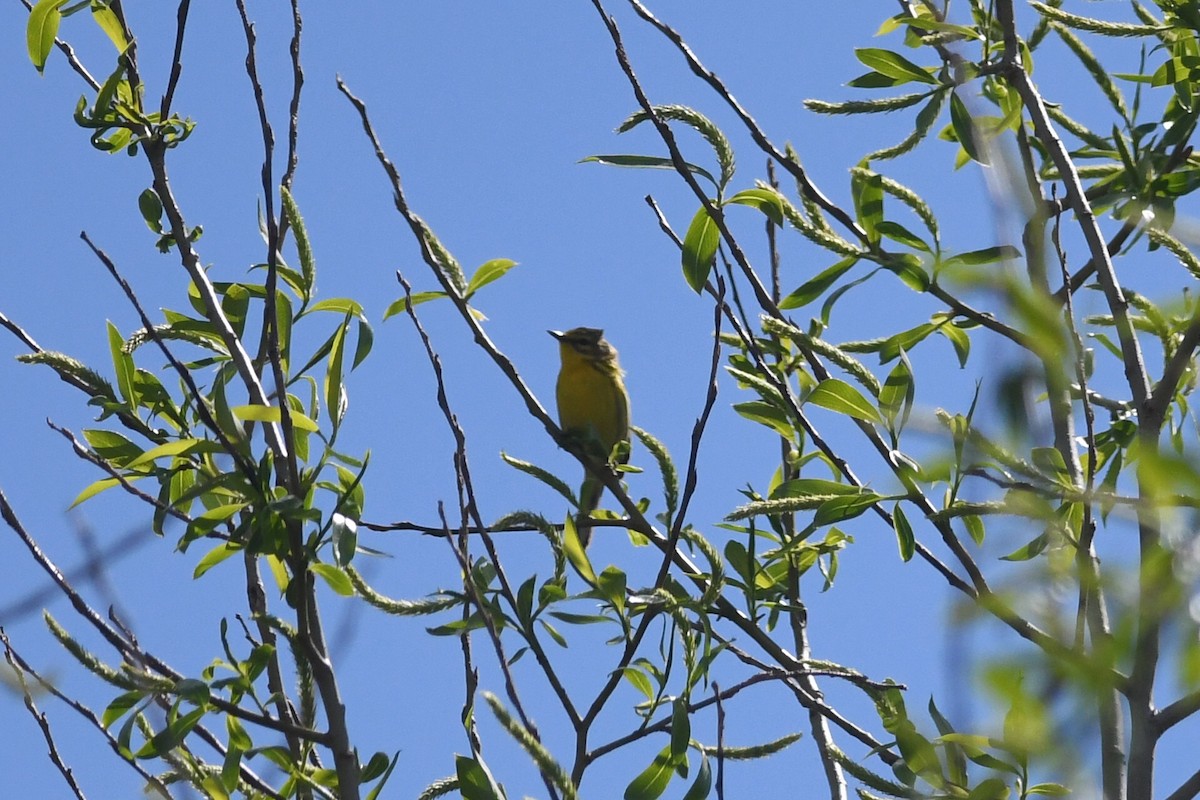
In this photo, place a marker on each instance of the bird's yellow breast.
(591, 400)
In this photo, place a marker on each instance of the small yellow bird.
(593, 405)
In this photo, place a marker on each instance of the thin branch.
(294, 107)
(1188, 789)
(40, 718)
(1177, 711)
(20, 666)
(181, 16)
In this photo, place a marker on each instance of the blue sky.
(486, 109)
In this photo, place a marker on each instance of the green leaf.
(843, 508)
(766, 414)
(1052, 789)
(896, 396)
(974, 526)
(843, 398)
(814, 287)
(904, 533)
(335, 577)
(180, 447)
(1028, 551)
(257, 413)
(647, 162)
(417, 298)
(959, 338)
(488, 272)
(237, 734)
(96, 487)
(893, 65)
(120, 706)
(765, 200)
(152, 209)
(111, 446)
(475, 782)
(107, 19)
(122, 365)
(681, 729)
(374, 794)
(867, 191)
(575, 552)
(40, 30)
(964, 129)
(345, 539)
(812, 487)
(653, 780)
(553, 481)
(169, 738)
(898, 233)
(699, 249)
(215, 556)
(335, 393)
(987, 255)
(702, 786)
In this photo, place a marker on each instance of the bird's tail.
(589, 501)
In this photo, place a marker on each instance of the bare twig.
(181, 16)
(40, 718)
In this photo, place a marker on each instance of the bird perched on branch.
(593, 407)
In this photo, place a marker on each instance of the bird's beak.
(556, 334)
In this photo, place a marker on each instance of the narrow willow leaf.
(653, 780)
(988, 255)
(107, 19)
(767, 414)
(648, 162)
(699, 249)
(152, 209)
(475, 781)
(542, 475)
(893, 65)
(1028, 551)
(404, 303)
(488, 272)
(765, 200)
(904, 533)
(256, 413)
(335, 577)
(215, 556)
(964, 129)
(838, 509)
(814, 287)
(40, 30)
(959, 338)
(335, 391)
(702, 786)
(576, 553)
(867, 190)
(898, 233)
(896, 396)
